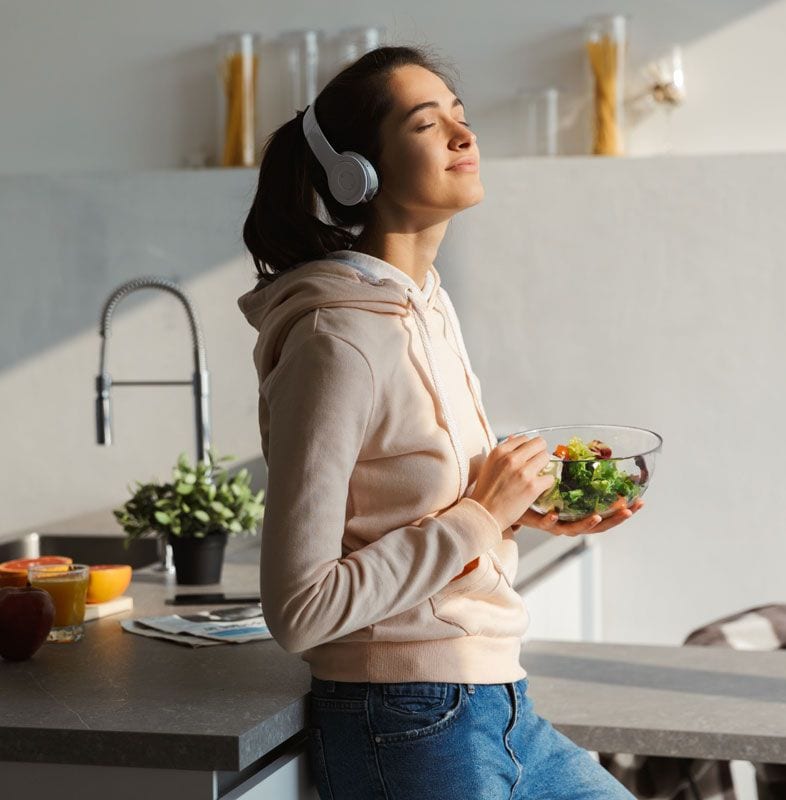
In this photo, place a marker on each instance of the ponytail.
(283, 228)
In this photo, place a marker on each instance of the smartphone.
(208, 599)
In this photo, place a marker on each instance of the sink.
(83, 548)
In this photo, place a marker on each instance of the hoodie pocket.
(482, 602)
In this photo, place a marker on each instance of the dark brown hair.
(283, 229)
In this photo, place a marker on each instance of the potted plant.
(196, 512)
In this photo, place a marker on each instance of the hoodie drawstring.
(474, 387)
(453, 433)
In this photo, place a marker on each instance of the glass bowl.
(597, 482)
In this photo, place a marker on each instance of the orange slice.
(107, 581)
(14, 573)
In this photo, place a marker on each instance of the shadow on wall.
(68, 241)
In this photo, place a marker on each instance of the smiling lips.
(464, 165)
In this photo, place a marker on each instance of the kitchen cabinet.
(287, 778)
(560, 584)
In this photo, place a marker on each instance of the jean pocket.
(407, 711)
(318, 763)
(414, 698)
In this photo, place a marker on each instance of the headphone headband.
(319, 144)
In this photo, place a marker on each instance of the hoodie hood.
(275, 305)
(357, 280)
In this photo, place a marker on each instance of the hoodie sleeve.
(320, 402)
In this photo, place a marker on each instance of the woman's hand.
(509, 480)
(548, 522)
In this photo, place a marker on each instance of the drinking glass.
(67, 585)
(302, 53)
(357, 41)
(537, 122)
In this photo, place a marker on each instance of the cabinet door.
(562, 604)
(287, 778)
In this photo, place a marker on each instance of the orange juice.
(67, 585)
(68, 595)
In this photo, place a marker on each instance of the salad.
(587, 481)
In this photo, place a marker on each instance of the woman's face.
(420, 147)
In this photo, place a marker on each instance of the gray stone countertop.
(119, 699)
(694, 702)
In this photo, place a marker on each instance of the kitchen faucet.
(200, 380)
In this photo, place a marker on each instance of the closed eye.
(423, 127)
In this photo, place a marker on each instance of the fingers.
(510, 443)
(620, 516)
(519, 440)
(543, 460)
(587, 525)
(593, 524)
(550, 522)
(507, 442)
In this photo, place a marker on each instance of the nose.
(464, 137)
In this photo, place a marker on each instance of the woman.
(388, 554)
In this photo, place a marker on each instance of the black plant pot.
(198, 560)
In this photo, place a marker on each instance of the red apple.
(26, 617)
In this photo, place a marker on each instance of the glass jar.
(352, 43)
(537, 122)
(238, 104)
(605, 41)
(301, 51)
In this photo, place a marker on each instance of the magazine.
(236, 625)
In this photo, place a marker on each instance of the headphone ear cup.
(352, 179)
(372, 181)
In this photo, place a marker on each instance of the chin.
(474, 197)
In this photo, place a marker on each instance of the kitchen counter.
(694, 702)
(117, 698)
(126, 701)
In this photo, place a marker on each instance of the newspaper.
(233, 625)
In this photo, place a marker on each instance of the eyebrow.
(428, 104)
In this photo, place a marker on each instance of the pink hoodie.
(373, 432)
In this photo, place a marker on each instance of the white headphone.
(351, 177)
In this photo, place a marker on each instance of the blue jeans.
(444, 741)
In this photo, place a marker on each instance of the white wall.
(65, 244)
(636, 291)
(91, 85)
(645, 292)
